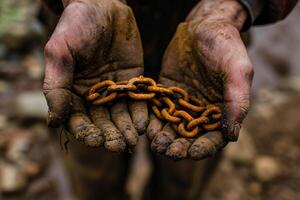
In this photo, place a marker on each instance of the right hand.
(94, 40)
(208, 59)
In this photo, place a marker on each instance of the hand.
(207, 58)
(94, 40)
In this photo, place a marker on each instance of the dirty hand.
(207, 58)
(94, 40)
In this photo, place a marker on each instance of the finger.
(114, 140)
(155, 125)
(122, 120)
(139, 115)
(127, 44)
(207, 145)
(237, 99)
(58, 80)
(83, 129)
(163, 139)
(178, 150)
(81, 126)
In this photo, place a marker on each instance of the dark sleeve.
(275, 10)
(267, 11)
(54, 5)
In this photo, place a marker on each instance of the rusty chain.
(189, 116)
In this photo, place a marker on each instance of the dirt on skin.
(273, 127)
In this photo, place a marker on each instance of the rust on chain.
(217, 116)
(183, 114)
(171, 105)
(185, 133)
(105, 99)
(158, 89)
(211, 109)
(199, 107)
(95, 91)
(120, 88)
(180, 91)
(142, 80)
(197, 122)
(189, 116)
(141, 96)
(157, 112)
(100, 86)
(122, 83)
(212, 127)
(93, 96)
(167, 116)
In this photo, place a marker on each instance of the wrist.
(227, 11)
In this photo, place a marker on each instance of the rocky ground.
(263, 164)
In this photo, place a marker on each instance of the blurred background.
(263, 164)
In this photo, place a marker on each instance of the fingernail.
(199, 153)
(206, 152)
(231, 133)
(141, 126)
(131, 139)
(117, 145)
(178, 150)
(151, 133)
(94, 140)
(236, 131)
(160, 143)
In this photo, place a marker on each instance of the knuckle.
(122, 7)
(53, 48)
(57, 50)
(46, 87)
(244, 110)
(127, 9)
(249, 71)
(49, 48)
(241, 70)
(244, 105)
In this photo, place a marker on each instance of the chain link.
(189, 116)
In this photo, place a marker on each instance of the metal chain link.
(189, 116)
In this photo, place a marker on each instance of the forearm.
(229, 11)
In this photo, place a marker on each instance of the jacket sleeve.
(54, 5)
(267, 11)
(275, 10)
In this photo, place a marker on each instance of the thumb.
(237, 99)
(58, 80)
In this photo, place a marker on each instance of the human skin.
(207, 58)
(89, 49)
(94, 40)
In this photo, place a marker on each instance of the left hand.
(207, 58)
(95, 40)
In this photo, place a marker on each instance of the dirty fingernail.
(94, 140)
(236, 131)
(201, 151)
(161, 142)
(178, 150)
